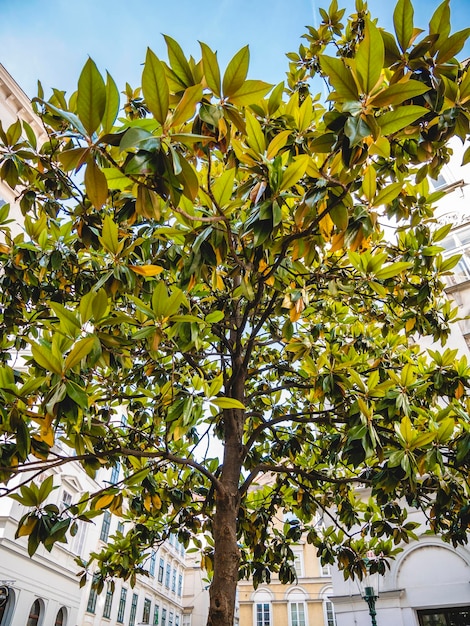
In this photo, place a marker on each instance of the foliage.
(213, 266)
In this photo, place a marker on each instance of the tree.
(213, 264)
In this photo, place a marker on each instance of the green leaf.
(223, 187)
(116, 179)
(187, 105)
(340, 78)
(304, 114)
(227, 403)
(452, 46)
(277, 143)
(255, 135)
(44, 357)
(81, 349)
(403, 22)
(74, 158)
(45, 489)
(251, 92)
(155, 87)
(370, 57)
(112, 104)
(109, 235)
(91, 97)
(392, 270)
(236, 72)
(71, 118)
(440, 23)
(96, 185)
(387, 194)
(393, 121)
(77, 393)
(294, 172)
(398, 93)
(178, 62)
(369, 183)
(211, 69)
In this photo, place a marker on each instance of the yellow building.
(305, 603)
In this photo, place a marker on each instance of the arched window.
(60, 619)
(328, 608)
(34, 614)
(297, 606)
(6, 608)
(262, 608)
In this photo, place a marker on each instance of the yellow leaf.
(156, 501)
(27, 527)
(104, 501)
(96, 185)
(459, 391)
(277, 143)
(147, 502)
(410, 324)
(294, 171)
(146, 270)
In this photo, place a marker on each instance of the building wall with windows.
(305, 603)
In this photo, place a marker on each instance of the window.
(458, 242)
(66, 500)
(60, 617)
(156, 615)
(325, 570)
(177, 620)
(330, 613)
(34, 614)
(170, 619)
(122, 606)
(77, 543)
(186, 620)
(105, 526)
(173, 579)
(437, 617)
(167, 575)
(263, 614)
(298, 563)
(297, 613)
(120, 528)
(114, 475)
(146, 611)
(108, 601)
(153, 560)
(180, 584)
(91, 606)
(163, 617)
(161, 569)
(135, 597)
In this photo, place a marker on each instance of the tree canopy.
(220, 259)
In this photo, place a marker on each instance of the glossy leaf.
(370, 57)
(211, 69)
(340, 78)
(393, 121)
(236, 72)
(91, 97)
(403, 22)
(155, 87)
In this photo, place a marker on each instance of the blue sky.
(50, 40)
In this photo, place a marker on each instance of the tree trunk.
(223, 588)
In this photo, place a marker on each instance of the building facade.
(305, 603)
